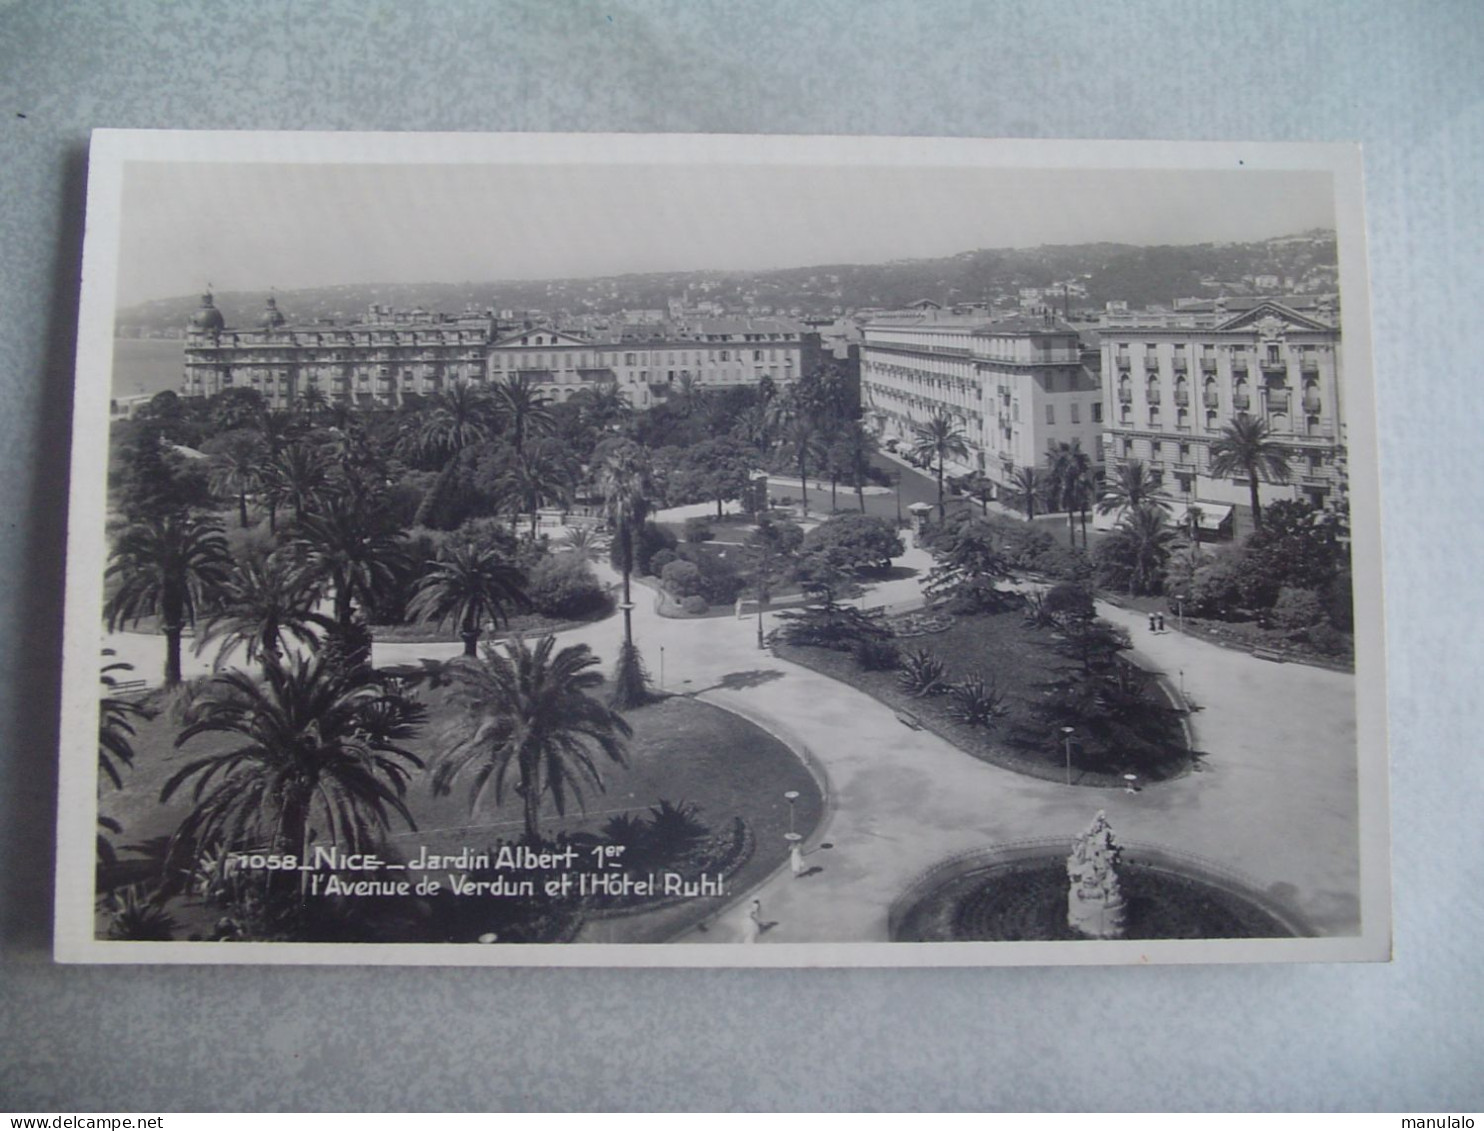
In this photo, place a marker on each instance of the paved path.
(1276, 798)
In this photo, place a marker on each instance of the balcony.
(1126, 396)
(1309, 364)
(1312, 405)
(1151, 362)
(1241, 402)
(1181, 364)
(1273, 365)
(1239, 363)
(1212, 400)
(1208, 365)
(1121, 360)
(1182, 398)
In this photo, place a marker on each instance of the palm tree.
(455, 419)
(171, 566)
(804, 443)
(236, 470)
(531, 711)
(350, 549)
(260, 604)
(522, 410)
(850, 455)
(624, 479)
(115, 725)
(1070, 474)
(296, 478)
(543, 472)
(312, 401)
(1246, 448)
(323, 757)
(941, 438)
(1134, 484)
(754, 427)
(470, 584)
(1026, 486)
(603, 408)
(1140, 545)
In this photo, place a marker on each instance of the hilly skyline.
(1139, 275)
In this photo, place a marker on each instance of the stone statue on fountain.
(1095, 905)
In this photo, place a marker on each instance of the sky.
(239, 226)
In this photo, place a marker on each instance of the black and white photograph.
(721, 551)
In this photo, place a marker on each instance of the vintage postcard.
(704, 551)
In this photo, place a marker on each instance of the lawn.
(1026, 667)
(681, 750)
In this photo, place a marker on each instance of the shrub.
(694, 605)
(648, 540)
(1297, 608)
(976, 701)
(698, 530)
(674, 829)
(681, 578)
(877, 655)
(565, 587)
(1328, 640)
(720, 582)
(922, 674)
(1339, 601)
(1213, 587)
(661, 559)
(856, 542)
(838, 627)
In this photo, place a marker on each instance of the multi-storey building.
(1018, 386)
(1172, 389)
(388, 354)
(715, 353)
(373, 362)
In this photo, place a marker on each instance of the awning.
(1212, 516)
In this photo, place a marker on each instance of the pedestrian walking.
(796, 859)
(1151, 623)
(1160, 619)
(755, 921)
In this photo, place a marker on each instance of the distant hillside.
(1139, 276)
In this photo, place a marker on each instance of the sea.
(147, 365)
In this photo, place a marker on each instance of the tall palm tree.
(351, 551)
(624, 479)
(1071, 476)
(1141, 545)
(522, 410)
(531, 711)
(850, 455)
(542, 472)
(941, 438)
(171, 566)
(470, 584)
(1245, 447)
(313, 402)
(455, 419)
(1134, 484)
(754, 427)
(1027, 485)
(804, 443)
(321, 756)
(236, 470)
(260, 604)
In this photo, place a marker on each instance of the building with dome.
(371, 362)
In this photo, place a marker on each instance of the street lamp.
(1068, 732)
(898, 493)
(791, 796)
(662, 667)
(1180, 610)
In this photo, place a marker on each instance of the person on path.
(1160, 619)
(1152, 627)
(796, 859)
(755, 921)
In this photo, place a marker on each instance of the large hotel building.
(1017, 386)
(389, 354)
(1174, 382)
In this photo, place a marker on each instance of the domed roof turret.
(208, 319)
(272, 317)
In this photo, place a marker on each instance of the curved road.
(1276, 798)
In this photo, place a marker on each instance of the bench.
(909, 720)
(1269, 654)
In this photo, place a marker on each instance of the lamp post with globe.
(1067, 733)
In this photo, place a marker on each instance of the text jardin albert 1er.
(596, 877)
